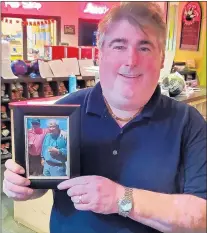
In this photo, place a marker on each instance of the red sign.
(191, 24)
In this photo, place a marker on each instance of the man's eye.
(144, 49)
(120, 47)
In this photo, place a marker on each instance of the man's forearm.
(169, 213)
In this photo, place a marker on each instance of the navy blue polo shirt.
(162, 150)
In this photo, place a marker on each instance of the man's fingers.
(14, 196)
(14, 167)
(82, 206)
(77, 190)
(81, 180)
(16, 179)
(16, 189)
(84, 199)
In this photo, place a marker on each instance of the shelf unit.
(25, 81)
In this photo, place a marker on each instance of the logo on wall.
(191, 26)
(95, 9)
(192, 13)
(24, 5)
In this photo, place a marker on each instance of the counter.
(197, 99)
(195, 96)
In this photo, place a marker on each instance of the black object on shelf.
(5, 157)
(3, 139)
(5, 101)
(5, 120)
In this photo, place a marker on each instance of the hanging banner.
(191, 25)
(26, 23)
(24, 5)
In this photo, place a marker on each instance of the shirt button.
(115, 152)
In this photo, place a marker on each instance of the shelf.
(3, 139)
(17, 100)
(5, 120)
(27, 79)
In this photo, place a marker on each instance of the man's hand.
(94, 193)
(54, 151)
(42, 162)
(15, 185)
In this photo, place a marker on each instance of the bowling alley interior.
(49, 50)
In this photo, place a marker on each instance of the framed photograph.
(46, 142)
(69, 29)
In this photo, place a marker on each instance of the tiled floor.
(8, 223)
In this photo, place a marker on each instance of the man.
(143, 155)
(36, 136)
(54, 151)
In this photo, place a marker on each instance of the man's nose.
(132, 59)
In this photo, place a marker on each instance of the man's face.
(53, 128)
(35, 126)
(130, 62)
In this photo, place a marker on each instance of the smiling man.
(143, 155)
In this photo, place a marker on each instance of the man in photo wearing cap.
(54, 151)
(36, 136)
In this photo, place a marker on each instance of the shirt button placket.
(115, 152)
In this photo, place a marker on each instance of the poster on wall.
(69, 29)
(191, 25)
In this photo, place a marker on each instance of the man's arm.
(184, 212)
(44, 147)
(169, 213)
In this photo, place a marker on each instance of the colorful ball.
(35, 66)
(19, 67)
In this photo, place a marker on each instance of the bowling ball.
(176, 84)
(33, 75)
(19, 67)
(35, 66)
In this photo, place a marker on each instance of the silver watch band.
(128, 197)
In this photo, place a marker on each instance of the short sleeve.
(195, 158)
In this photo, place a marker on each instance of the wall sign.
(191, 25)
(69, 29)
(25, 5)
(95, 9)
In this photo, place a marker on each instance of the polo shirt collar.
(150, 107)
(96, 104)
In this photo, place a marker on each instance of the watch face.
(126, 205)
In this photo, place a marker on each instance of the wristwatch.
(125, 204)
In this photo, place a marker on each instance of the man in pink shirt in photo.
(36, 136)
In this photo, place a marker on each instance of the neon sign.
(25, 5)
(94, 9)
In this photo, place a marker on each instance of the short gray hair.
(53, 122)
(142, 14)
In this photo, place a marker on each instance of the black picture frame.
(20, 114)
